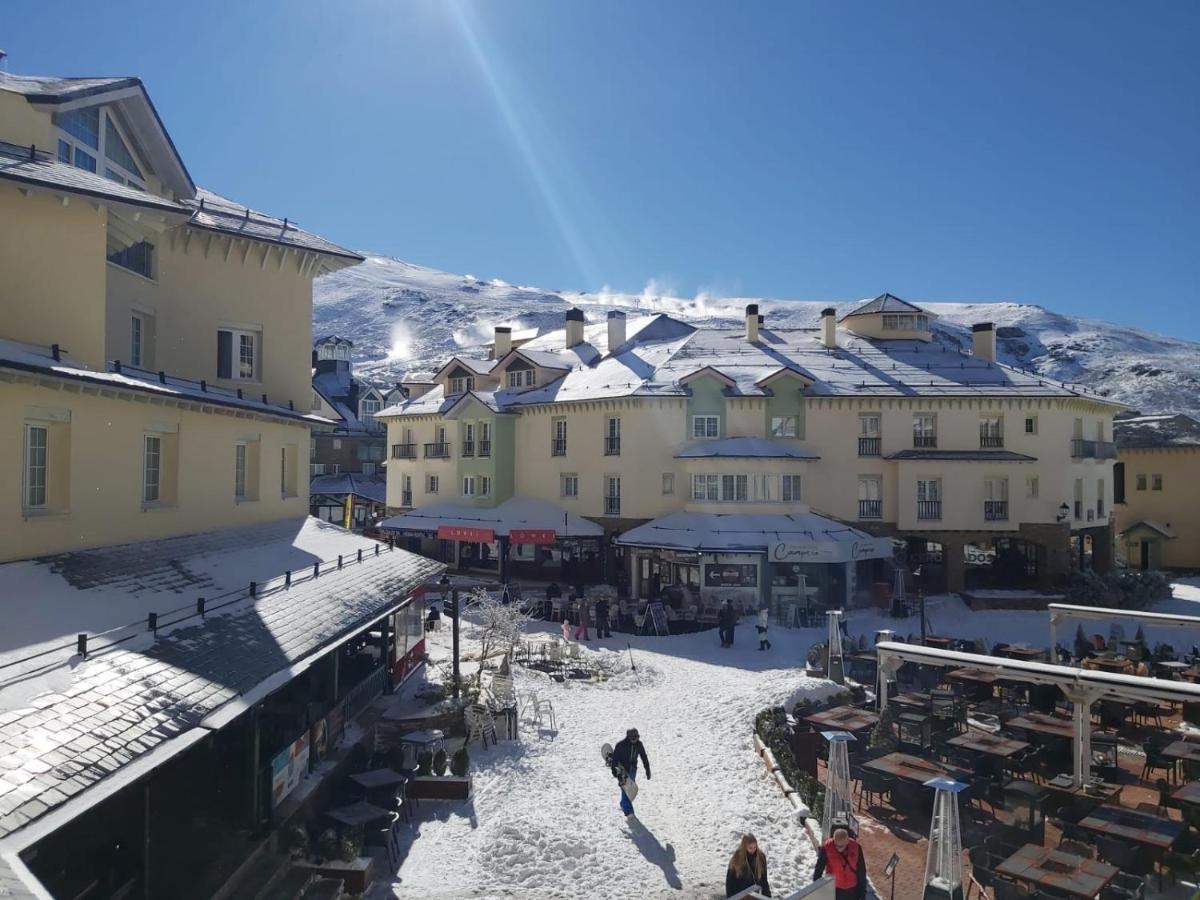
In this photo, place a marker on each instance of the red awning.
(532, 536)
(460, 533)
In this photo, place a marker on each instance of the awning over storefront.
(521, 519)
(800, 537)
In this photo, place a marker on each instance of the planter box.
(355, 876)
(431, 787)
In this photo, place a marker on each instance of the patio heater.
(836, 668)
(839, 797)
(943, 863)
(899, 598)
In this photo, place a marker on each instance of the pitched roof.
(884, 303)
(516, 512)
(53, 88)
(1149, 432)
(1153, 526)
(372, 487)
(343, 391)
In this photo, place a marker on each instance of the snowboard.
(628, 785)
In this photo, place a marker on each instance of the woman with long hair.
(747, 868)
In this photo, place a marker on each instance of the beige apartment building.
(736, 460)
(153, 334)
(1157, 482)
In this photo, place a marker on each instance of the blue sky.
(1030, 151)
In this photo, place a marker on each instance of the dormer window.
(905, 322)
(460, 384)
(91, 138)
(331, 350)
(518, 378)
(368, 408)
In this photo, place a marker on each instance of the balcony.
(995, 510)
(404, 451)
(437, 451)
(929, 509)
(869, 446)
(468, 448)
(558, 447)
(406, 498)
(612, 506)
(925, 441)
(991, 441)
(870, 509)
(1081, 449)
(612, 446)
(485, 449)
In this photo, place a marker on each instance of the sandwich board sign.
(656, 615)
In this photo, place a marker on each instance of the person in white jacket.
(763, 643)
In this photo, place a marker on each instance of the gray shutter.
(224, 354)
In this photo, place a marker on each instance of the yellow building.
(154, 336)
(990, 476)
(1158, 491)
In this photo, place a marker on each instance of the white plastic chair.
(480, 723)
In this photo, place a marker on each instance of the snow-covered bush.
(501, 626)
(883, 736)
(1127, 590)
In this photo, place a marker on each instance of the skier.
(763, 643)
(626, 755)
(602, 622)
(747, 868)
(842, 855)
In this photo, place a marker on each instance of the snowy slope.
(405, 320)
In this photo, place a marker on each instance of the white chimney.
(616, 330)
(829, 327)
(574, 327)
(752, 323)
(983, 340)
(502, 342)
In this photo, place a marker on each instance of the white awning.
(515, 514)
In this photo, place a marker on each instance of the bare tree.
(501, 626)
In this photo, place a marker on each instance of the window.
(1031, 424)
(316, 400)
(406, 497)
(929, 499)
(137, 258)
(468, 486)
(1099, 497)
(668, 483)
(36, 460)
(1031, 487)
(283, 471)
(1119, 482)
(369, 407)
(785, 426)
(991, 432)
(237, 354)
(485, 439)
(431, 484)
(789, 488)
(116, 151)
(239, 471)
(1156, 482)
(612, 495)
(85, 128)
(558, 440)
(995, 499)
(905, 322)
(462, 384)
(612, 436)
(135, 341)
(468, 439)
(1141, 483)
(868, 425)
(706, 487)
(568, 484)
(924, 429)
(870, 497)
(64, 151)
(706, 426)
(151, 468)
(734, 488)
(485, 486)
(337, 443)
(521, 378)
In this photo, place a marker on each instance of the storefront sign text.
(462, 533)
(532, 536)
(832, 552)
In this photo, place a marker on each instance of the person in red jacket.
(842, 857)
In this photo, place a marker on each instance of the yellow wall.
(101, 479)
(24, 125)
(1177, 505)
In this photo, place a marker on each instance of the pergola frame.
(1061, 611)
(1082, 687)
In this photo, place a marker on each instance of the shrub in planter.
(424, 763)
(348, 849)
(460, 763)
(883, 734)
(297, 842)
(327, 845)
(439, 762)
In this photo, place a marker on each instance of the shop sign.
(462, 533)
(288, 767)
(532, 536)
(832, 551)
(730, 575)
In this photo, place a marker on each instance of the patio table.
(941, 643)
(1042, 723)
(1112, 665)
(1186, 750)
(357, 814)
(1078, 876)
(1172, 665)
(1148, 829)
(1189, 793)
(844, 718)
(913, 700)
(377, 779)
(1026, 653)
(974, 675)
(914, 769)
(991, 744)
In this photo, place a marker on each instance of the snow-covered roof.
(35, 359)
(745, 448)
(137, 699)
(1148, 432)
(372, 487)
(738, 532)
(342, 390)
(516, 512)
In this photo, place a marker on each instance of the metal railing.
(404, 451)
(995, 510)
(468, 448)
(360, 696)
(870, 509)
(1081, 449)
(485, 448)
(869, 446)
(437, 451)
(990, 441)
(558, 447)
(612, 506)
(924, 441)
(612, 446)
(929, 509)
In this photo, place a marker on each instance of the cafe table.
(975, 675)
(920, 701)
(1133, 825)
(843, 718)
(1189, 793)
(1185, 750)
(1173, 666)
(1066, 873)
(358, 814)
(938, 642)
(1107, 664)
(1026, 653)
(991, 744)
(914, 769)
(1042, 723)
(378, 779)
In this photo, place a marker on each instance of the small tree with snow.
(501, 626)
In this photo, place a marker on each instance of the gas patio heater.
(943, 863)
(839, 798)
(836, 668)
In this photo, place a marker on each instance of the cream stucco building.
(154, 336)
(700, 451)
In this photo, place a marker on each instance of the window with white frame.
(368, 408)
(668, 483)
(790, 488)
(706, 426)
(136, 340)
(461, 384)
(870, 488)
(925, 429)
(706, 487)
(468, 486)
(1031, 487)
(521, 378)
(905, 322)
(735, 488)
(137, 258)
(485, 486)
(91, 136)
(431, 484)
(785, 426)
(568, 484)
(36, 465)
(239, 471)
(238, 354)
(929, 490)
(612, 495)
(868, 424)
(151, 468)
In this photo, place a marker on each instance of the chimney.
(616, 330)
(574, 327)
(502, 342)
(752, 323)
(829, 327)
(983, 340)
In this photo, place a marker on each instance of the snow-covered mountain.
(405, 320)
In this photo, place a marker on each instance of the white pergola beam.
(1060, 611)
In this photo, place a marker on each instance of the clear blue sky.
(1033, 151)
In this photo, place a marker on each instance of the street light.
(1063, 512)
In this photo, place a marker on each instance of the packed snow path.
(545, 822)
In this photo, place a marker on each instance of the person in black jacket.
(626, 755)
(747, 869)
(726, 619)
(602, 623)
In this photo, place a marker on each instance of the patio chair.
(1125, 856)
(873, 785)
(480, 724)
(1149, 712)
(1131, 884)
(1004, 889)
(983, 874)
(1155, 761)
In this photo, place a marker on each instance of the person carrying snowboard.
(763, 643)
(747, 869)
(626, 755)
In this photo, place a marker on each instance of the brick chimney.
(983, 340)
(829, 327)
(752, 323)
(502, 342)
(574, 326)
(616, 330)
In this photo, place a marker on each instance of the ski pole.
(631, 665)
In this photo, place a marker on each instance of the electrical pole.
(457, 612)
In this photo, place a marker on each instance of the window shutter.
(224, 354)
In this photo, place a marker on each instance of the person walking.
(581, 620)
(603, 624)
(843, 856)
(747, 869)
(763, 617)
(626, 755)
(725, 624)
